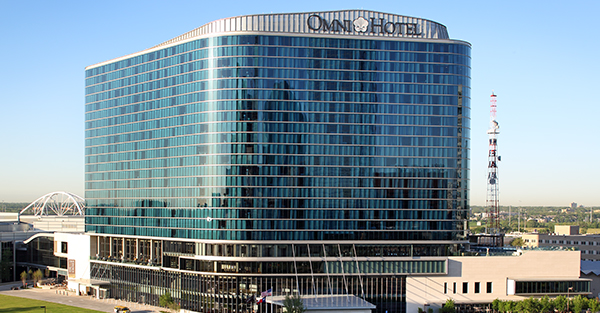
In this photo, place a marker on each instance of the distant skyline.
(540, 58)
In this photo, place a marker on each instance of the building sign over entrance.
(362, 25)
(71, 268)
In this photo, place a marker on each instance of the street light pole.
(570, 289)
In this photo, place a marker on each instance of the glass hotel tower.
(320, 153)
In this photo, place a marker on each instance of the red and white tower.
(492, 199)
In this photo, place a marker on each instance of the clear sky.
(540, 57)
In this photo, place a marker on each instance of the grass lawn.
(16, 304)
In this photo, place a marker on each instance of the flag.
(251, 299)
(266, 293)
(261, 300)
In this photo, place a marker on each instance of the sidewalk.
(69, 298)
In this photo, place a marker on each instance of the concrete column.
(14, 258)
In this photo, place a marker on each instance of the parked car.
(122, 309)
(14, 288)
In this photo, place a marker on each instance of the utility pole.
(509, 214)
(519, 223)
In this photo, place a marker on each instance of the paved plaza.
(69, 298)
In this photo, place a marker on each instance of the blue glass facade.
(302, 136)
(288, 139)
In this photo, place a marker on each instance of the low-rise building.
(477, 281)
(566, 236)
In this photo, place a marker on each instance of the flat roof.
(327, 302)
(356, 24)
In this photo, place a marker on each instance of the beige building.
(566, 236)
(482, 279)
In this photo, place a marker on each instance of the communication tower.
(492, 199)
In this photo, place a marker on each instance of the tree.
(165, 300)
(24, 278)
(478, 230)
(546, 304)
(502, 306)
(594, 305)
(293, 304)
(580, 303)
(517, 242)
(496, 305)
(510, 306)
(174, 307)
(530, 305)
(448, 306)
(37, 276)
(560, 303)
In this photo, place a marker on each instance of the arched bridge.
(57, 203)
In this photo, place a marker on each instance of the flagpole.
(271, 300)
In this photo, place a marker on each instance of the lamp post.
(570, 289)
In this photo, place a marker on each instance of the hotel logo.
(362, 25)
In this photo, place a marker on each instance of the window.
(477, 285)
(489, 287)
(454, 287)
(445, 288)
(465, 287)
(63, 247)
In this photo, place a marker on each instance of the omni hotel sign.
(362, 25)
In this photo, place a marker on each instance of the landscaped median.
(9, 304)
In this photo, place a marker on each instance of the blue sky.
(540, 58)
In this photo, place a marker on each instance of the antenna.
(492, 199)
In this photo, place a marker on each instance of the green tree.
(580, 303)
(165, 300)
(478, 230)
(517, 242)
(519, 306)
(502, 307)
(293, 304)
(37, 276)
(530, 305)
(509, 306)
(546, 304)
(496, 305)
(174, 307)
(448, 306)
(594, 305)
(24, 278)
(560, 303)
